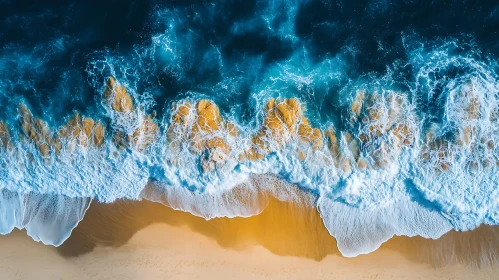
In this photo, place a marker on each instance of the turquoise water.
(239, 55)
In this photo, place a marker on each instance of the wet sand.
(145, 240)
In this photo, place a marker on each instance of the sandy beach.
(144, 240)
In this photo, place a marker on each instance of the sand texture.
(143, 240)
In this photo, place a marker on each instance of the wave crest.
(200, 161)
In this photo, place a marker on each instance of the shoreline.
(283, 228)
(147, 240)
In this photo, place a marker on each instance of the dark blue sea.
(426, 70)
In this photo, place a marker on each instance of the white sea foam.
(418, 189)
(46, 218)
(361, 231)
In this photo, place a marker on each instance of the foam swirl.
(387, 172)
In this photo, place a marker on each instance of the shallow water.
(389, 127)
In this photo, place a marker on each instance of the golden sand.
(283, 228)
(145, 240)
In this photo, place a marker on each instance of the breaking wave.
(215, 127)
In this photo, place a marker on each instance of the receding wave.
(386, 172)
(215, 108)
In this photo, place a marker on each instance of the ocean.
(381, 115)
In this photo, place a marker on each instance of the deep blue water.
(55, 56)
(50, 50)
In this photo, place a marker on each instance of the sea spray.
(385, 126)
(364, 181)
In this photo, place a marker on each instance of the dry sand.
(143, 240)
